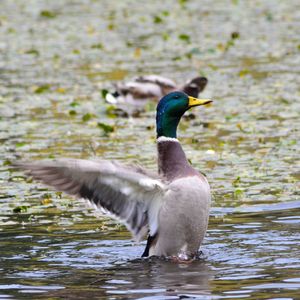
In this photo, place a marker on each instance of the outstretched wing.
(128, 192)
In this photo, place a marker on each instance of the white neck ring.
(166, 139)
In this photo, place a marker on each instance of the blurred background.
(58, 59)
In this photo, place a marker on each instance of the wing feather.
(129, 193)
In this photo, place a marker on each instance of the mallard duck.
(149, 87)
(171, 206)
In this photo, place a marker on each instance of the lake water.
(56, 57)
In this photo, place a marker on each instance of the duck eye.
(176, 96)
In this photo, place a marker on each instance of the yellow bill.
(195, 101)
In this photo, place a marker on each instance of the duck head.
(171, 108)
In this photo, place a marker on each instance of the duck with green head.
(172, 207)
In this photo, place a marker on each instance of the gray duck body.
(183, 216)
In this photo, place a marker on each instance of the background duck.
(152, 87)
(171, 206)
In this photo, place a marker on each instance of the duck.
(152, 87)
(170, 206)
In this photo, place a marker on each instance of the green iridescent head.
(170, 109)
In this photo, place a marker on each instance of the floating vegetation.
(44, 88)
(98, 46)
(185, 37)
(20, 209)
(106, 127)
(88, 116)
(48, 14)
(32, 52)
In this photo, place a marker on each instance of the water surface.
(55, 60)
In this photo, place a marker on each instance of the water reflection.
(142, 278)
(160, 277)
(247, 143)
(244, 255)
